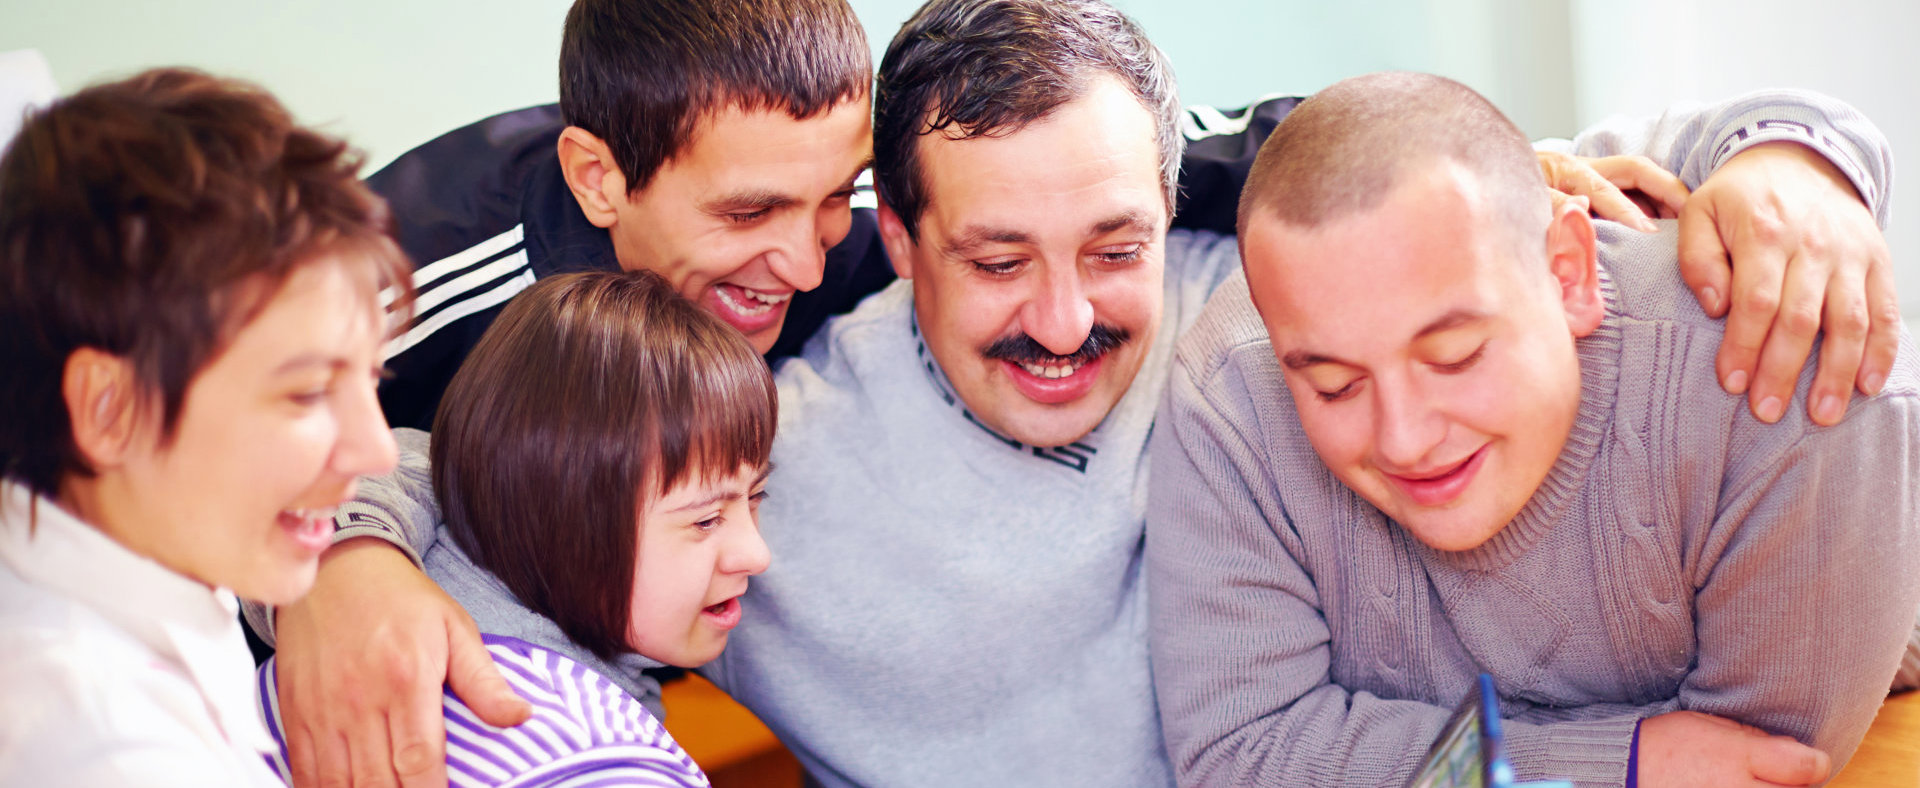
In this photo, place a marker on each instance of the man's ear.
(900, 245)
(592, 175)
(1570, 257)
(102, 405)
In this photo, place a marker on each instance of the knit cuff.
(352, 520)
(1804, 125)
(355, 519)
(1588, 753)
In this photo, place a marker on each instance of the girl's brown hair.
(591, 394)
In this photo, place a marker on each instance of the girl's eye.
(709, 524)
(757, 497)
(309, 397)
(1463, 364)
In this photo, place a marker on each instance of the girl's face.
(698, 545)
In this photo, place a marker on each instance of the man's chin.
(1047, 426)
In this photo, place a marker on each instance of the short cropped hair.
(141, 218)
(591, 395)
(1342, 150)
(642, 74)
(987, 68)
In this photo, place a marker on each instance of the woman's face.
(698, 544)
(271, 435)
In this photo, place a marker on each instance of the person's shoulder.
(78, 688)
(880, 327)
(582, 723)
(1644, 270)
(498, 142)
(566, 693)
(463, 188)
(1228, 333)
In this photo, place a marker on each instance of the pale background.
(390, 74)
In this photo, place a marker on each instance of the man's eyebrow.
(1301, 359)
(1453, 319)
(865, 164)
(751, 200)
(1127, 220)
(975, 236)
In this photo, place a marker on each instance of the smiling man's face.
(1430, 354)
(1038, 269)
(742, 218)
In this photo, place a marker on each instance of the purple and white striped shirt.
(585, 732)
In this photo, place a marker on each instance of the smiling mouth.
(724, 614)
(1443, 485)
(1052, 371)
(749, 303)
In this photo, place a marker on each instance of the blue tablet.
(1469, 752)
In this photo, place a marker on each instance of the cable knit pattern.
(1679, 555)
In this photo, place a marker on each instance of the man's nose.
(1058, 315)
(1408, 426)
(801, 261)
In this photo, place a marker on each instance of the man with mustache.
(956, 514)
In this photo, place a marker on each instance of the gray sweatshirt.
(1679, 555)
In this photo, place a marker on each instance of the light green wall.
(389, 74)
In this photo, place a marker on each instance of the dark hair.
(1342, 150)
(641, 74)
(141, 218)
(986, 68)
(591, 394)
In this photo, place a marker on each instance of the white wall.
(1637, 56)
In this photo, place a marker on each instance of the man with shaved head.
(1444, 426)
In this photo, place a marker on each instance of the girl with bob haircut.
(190, 327)
(599, 459)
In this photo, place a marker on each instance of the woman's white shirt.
(114, 670)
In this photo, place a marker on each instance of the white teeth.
(737, 306)
(767, 298)
(1050, 373)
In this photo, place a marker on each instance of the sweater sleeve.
(1240, 642)
(398, 508)
(1693, 140)
(1810, 573)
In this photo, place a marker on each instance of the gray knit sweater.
(1679, 555)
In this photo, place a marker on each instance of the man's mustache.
(1022, 349)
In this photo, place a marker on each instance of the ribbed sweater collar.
(1599, 355)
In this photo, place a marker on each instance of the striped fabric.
(584, 733)
(474, 280)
